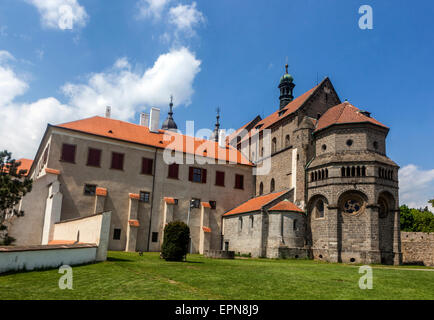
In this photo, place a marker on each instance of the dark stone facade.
(343, 180)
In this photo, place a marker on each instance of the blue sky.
(222, 53)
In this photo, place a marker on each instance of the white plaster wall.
(40, 259)
(90, 229)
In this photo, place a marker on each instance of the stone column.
(53, 210)
(397, 254)
(334, 234)
(374, 254)
(133, 223)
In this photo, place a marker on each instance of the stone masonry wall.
(417, 248)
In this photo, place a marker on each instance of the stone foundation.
(219, 254)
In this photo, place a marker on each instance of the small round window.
(349, 142)
(324, 147)
(375, 145)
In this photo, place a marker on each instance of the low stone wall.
(417, 248)
(219, 254)
(29, 258)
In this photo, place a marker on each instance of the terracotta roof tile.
(101, 192)
(291, 107)
(135, 196)
(52, 171)
(134, 223)
(206, 204)
(344, 113)
(255, 204)
(169, 200)
(285, 205)
(206, 229)
(25, 165)
(134, 133)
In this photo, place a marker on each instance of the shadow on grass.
(118, 259)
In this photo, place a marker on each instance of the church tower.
(286, 86)
(169, 123)
(215, 134)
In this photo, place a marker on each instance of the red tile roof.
(285, 205)
(206, 204)
(101, 192)
(134, 133)
(344, 113)
(169, 200)
(53, 171)
(25, 165)
(134, 223)
(206, 229)
(255, 204)
(291, 107)
(135, 196)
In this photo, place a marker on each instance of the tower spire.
(215, 134)
(286, 86)
(169, 123)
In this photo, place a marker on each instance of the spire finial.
(286, 68)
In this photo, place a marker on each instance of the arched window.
(274, 145)
(240, 223)
(326, 173)
(353, 171)
(359, 172)
(343, 171)
(348, 172)
(287, 141)
(251, 222)
(294, 226)
(319, 209)
(316, 175)
(261, 189)
(363, 171)
(272, 185)
(311, 176)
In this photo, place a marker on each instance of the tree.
(432, 202)
(13, 186)
(416, 220)
(175, 242)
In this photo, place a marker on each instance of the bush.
(175, 242)
(416, 220)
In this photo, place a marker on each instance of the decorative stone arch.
(311, 212)
(386, 202)
(272, 185)
(261, 188)
(387, 217)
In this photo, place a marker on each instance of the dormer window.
(281, 112)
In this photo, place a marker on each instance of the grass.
(130, 276)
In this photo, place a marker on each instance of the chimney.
(108, 111)
(154, 120)
(222, 138)
(144, 119)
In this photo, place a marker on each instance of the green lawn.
(130, 276)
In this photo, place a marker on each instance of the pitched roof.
(290, 108)
(25, 165)
(129, 132)
(285, 205)
(255, 204)
(344, 113)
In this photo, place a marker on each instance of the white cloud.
(185, 18)
(151, 8)
(61, 14)
(125, 90)
(416, 186)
